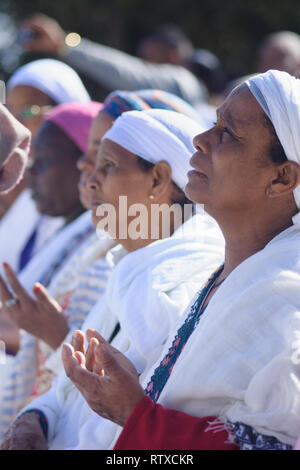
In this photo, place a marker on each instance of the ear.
(162, 180)
(285, 180)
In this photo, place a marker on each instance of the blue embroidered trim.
(163, 371)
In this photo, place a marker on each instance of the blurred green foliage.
(232, 29)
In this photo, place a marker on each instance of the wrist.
(33, 418)
(55, 337)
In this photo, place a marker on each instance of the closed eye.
(224, 132)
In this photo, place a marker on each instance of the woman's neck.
(74, 214)
(243, 240)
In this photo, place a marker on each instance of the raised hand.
(41, 317)
(49, 36)
(105, 377)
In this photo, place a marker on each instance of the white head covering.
(278, 93)
(56, 79)
(156, 135)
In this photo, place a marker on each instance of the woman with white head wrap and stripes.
(240, 362)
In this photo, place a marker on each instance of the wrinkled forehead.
(242, 109)
(108, 148)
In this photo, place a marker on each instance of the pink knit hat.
(75, 120)
(14, 148)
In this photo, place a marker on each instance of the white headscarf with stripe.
(156, 135)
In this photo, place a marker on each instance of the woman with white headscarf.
(239, 369)
(32, 91)
(145, 157)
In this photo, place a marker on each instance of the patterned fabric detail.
(163, 371)
(249, 439)
(120, 101)
(64, 255)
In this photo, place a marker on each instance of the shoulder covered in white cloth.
(148, 291)
(242, 363)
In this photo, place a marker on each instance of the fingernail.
(5, 265)
(37, 289)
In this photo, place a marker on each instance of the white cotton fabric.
(156, 135)
(147, 293)
(56, 79)
(16, 226)
(278, 93)
(51, 252)
(242, 363)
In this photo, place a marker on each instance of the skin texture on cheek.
(233, 156)
(101, 124)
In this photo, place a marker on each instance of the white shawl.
(51, 253)
(242, 363)
(148, 291)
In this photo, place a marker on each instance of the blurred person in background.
(115, 69)
(59, 143)
(280, 51)
(32, 91)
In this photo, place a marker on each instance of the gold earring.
(151, 197)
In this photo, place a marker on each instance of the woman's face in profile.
(100, 125)
(232, 166)
(118, 173)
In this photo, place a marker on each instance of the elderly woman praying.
(234, 358)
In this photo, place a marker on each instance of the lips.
(196, 171)
(196, 174)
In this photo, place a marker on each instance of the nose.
(92, 182)
(201, 142)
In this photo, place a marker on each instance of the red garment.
(153, 427)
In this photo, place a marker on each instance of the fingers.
(45, 299)
(5, 293)
(78, 341)
(74, 364)
(91, 333)
(70, 361)
(105, 363)
(90, 354)
(17, 287)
